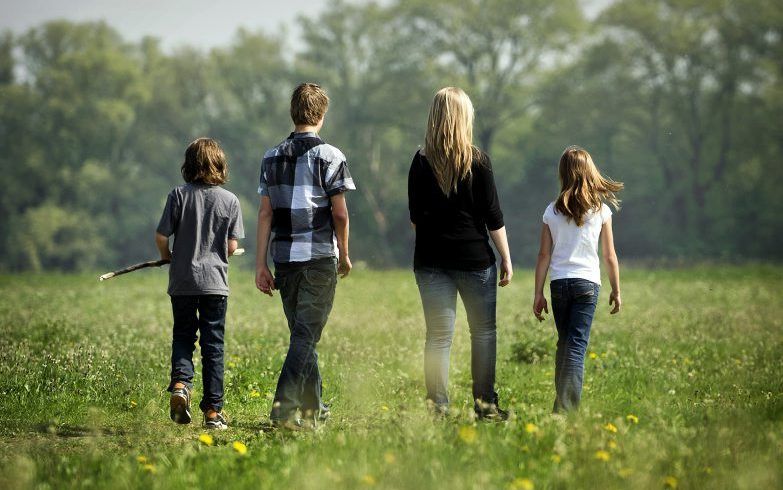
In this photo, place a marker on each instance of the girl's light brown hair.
(448, 142)
(309, 103)
(205, 163)
(582, 187)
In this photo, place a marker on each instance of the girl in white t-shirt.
(573, 226)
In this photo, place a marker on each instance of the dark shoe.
(179, 406)
(491, 413)
(218, 421)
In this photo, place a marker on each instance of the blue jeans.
(307, 291)
(478, 289)
(573, 306)
(205, 315)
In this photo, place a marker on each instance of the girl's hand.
(506, 272)
(614, 297)
(539, 304)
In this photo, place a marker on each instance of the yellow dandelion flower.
(240, 447)
(556, 458)
(602, 455)
(521, 484)
(611, 444)
(389, 457)
(150, 468)
(593, 355)
(231, 364)
(206, 439)
(670, 482)
(368, 480)
(708, 470)
(632, 418)
(625, 472)
(384, 408)
(141, 459)
(254, 394)
(133, 404)
(610, 427)
(531, 428)
(468, 434)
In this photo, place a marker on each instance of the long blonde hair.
(582, 187)
(448, 143)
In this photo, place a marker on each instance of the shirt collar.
(308, 134)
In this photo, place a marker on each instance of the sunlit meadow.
(683, 389)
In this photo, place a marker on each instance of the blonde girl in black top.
(455, 210)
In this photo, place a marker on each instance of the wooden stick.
(151, 263)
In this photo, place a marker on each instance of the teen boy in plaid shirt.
(302, 186)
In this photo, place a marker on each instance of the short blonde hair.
(582, 187)
(205, 163)
(309, 103)
(448, 142)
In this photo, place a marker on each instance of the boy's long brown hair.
(582, 187)
(205, 163)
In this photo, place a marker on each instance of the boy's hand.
(344, 266)
(264, 280)
(506, 273)
(614, 297)
(539, 304)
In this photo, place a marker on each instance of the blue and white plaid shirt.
(300, 175)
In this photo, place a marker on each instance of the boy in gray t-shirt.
(206, 222)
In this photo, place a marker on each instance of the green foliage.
(685, 384)
(678, 99)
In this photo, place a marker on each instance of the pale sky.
(200, 23)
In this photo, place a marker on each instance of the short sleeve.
(547, 214)
(263, 185)
(236, 228)
(338, 178)
(606, 213)
(169, 220)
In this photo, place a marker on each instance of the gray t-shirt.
(202, 219)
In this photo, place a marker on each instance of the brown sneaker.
(179, 405)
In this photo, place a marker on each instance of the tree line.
(680, 100)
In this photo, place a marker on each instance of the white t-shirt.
(575, 252)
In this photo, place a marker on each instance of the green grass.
(695, 355)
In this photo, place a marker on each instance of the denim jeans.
(573, 306)
(204, 315)
(307, 291)
(438, 289)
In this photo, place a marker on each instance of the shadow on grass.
(67, 431)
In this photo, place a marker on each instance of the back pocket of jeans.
(584, 292)
(318, 277)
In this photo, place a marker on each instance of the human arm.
(612, 265)
(264, 280)
(542, 266)
(500, 240)
(340, 220)
(162, 242)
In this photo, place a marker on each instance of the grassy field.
(683, 389)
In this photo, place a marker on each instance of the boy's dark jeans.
(307, 291)
(573, 306)
(206, 315)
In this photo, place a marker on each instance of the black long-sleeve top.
(451, 231)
